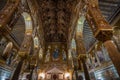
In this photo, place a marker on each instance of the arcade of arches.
(59, 39)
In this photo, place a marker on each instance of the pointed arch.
(28, 23)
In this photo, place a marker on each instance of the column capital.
(33, 60)
(82, 56)
(22, 54)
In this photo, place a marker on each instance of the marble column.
(113, 53)
(76, 72)
(98, 60)
(86, 72)
(31, 73)
(17, 71)
(81, 51)
(22, 55)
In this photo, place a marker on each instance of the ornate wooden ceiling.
(56, 17)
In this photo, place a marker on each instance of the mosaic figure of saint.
(56, 53)
(64, 55)
(47, 58)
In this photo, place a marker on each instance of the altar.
(55, 74)
(54, 66)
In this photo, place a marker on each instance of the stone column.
(76, 70)
(23, 52)
(31, 73)
(97, 55)
(86, 72)
(17, 70)
(33, 64)
(82, 51)
(114, 54)
(80, 66)
(76, 73)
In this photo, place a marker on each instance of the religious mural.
(56, 53)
